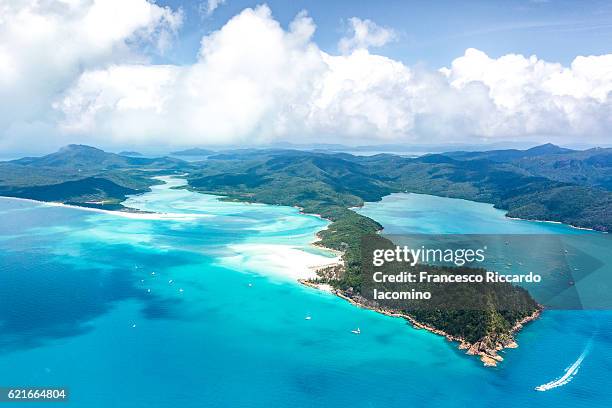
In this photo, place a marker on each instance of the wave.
(570, 372)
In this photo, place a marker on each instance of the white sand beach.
(281, 260)
(124, 214)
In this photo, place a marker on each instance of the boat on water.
(356, 331)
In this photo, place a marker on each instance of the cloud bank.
(73, 79)
(46, 45)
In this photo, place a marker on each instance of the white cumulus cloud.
(46, 45)
(364, 34)
(532, 96)
(249, 83)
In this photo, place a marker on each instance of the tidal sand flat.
(272, 241)
(149, 313)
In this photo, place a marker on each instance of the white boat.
(307, 318)
(356, 331)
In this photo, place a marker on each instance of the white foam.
(570, 373)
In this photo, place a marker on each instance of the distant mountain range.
(399, 147)
(545, 182)
(509, 154)
(305, 176)
(592, 167)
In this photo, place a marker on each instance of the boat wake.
(570, 373)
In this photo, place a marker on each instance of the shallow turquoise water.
(74, 283)
(425, 214)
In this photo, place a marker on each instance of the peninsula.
(330, 184)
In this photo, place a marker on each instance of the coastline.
(286, 258)
(489, 356)
(126, 213)
(556, 222)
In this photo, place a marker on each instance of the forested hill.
(592, 167)
(82, 175)
(306, 178)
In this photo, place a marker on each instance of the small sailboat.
(356, 331)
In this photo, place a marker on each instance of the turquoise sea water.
(137, 312)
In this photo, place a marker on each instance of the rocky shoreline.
(486, 348)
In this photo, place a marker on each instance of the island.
(330, 185)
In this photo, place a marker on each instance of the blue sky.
(432, 32)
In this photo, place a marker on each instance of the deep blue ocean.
(184, 311)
